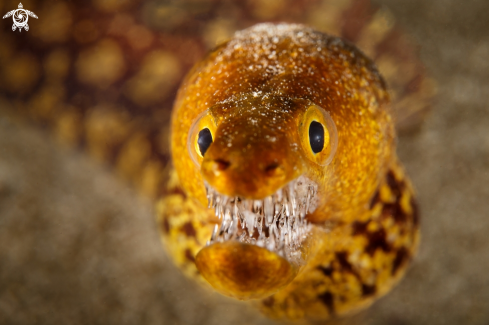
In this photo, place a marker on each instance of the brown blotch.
(166, 226)
(327, 299)
(342, 258)
(328, 271)
(177, 191)
(368, 290)
(395, 186)
(189, 229)
(402, 256)
(395, 211)
(359, 228)
(268, 302)
(377, 240)
(375, 199)
(189, 256)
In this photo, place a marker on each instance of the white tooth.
(242, 220)
(291, 192)
(214, 232)
(259, 224)
(234, 226)
(287, 211)
(279, 195)
(308, 200)
(268, 206)
(250, 221)
(289, 229)
(242, 236)
(269, 219)
(235, 208)
(271, 242)
(224, 200)
(303, 211)
(209, 196)
(293, 208)
(257, 204)
(260, 243)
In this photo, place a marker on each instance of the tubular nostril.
(221, 164)
(273, 169)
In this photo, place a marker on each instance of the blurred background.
(80, 246)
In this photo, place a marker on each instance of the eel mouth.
(258, 247)
(276, 222)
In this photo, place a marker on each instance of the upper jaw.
(276, 222)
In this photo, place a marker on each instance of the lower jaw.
(244, 271)
(258, 246)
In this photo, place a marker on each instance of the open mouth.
(276, 222)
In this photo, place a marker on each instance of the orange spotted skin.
(104, 78)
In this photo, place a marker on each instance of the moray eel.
(284, 155)
(285, 188)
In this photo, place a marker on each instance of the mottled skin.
(258, 86)
(90, 78)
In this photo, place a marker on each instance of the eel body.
(307, 231)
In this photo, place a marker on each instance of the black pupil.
(316, 136)
(204, 140)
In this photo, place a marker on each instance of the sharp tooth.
(257, 204)
(308, 200)
(289, 229)
(279, 195)
(271, 242)
(227, 219)
(214, 232)
(218, 214)
(259, 224)
(224, 200)
(291, 192)
(302, 211)
(209, 196)
(242, 236)
(235, 207)
(234, 226)
(268, 207)
(250, 221)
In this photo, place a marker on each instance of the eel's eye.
(204, 140)
(316, 136)
(201, 136)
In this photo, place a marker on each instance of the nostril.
(222, 164)
(272, 169)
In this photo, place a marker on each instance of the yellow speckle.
(152, 83)
(56, 64)
(101, 65)
(139, 37)
(55, 22)
(21, 73)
